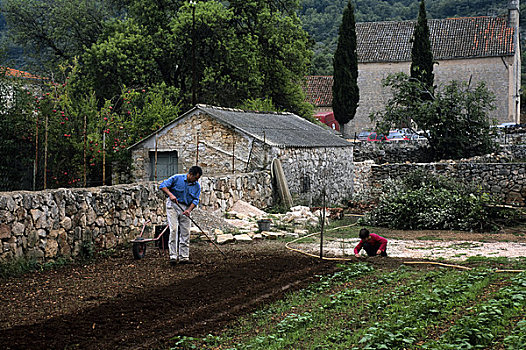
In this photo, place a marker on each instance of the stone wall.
(49, 224)
(391, 152)
(308, 171)
(507, 181)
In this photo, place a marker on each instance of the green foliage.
(488, 321)
(18, 132)
(77, 134)
(423, 201)
(52, 32)
(454, 115)
(345, 90)
(257, 104)
(232, 52)
(421, 55)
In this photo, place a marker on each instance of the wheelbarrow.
(140, 242)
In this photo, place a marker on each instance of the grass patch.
(22, 266)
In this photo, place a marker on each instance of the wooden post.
(103, 157)
(197, 150)
(233, 154)
(322, 222)
(85, 146)
(45, 153)
(155, 163)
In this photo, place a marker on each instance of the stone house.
(466, 49)
(226, 141)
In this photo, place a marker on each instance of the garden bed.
(116, 302)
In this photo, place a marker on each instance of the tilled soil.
(120, 303)
(116, 302)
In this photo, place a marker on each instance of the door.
(166, 165)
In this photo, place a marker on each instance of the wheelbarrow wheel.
(139, 248)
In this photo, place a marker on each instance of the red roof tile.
(318, 89)
(451, 38)
(10, 72)
(466, 37)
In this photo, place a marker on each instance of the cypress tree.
(345, 92)
(421, 55)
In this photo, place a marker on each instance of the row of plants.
(365, 308)
(490, 321)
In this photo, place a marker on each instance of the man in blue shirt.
(183, 193)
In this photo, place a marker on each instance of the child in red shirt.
(371, 243)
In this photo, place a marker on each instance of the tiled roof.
(283, 130)
(318, 90)
(467, 37)
(276, 129)
(10, 72)
(451, 38)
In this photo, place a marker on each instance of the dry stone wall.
(57, 223)
(391, 152)
(506, 181)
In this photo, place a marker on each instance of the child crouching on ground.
(371, 243)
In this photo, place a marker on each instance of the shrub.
(426, 201)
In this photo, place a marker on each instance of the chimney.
(513, 14)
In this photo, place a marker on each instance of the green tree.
(455, 116)
(243, 50)
(421, 55)
(345, 92)
(52, 32)
(17, 141)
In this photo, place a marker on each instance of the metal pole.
(194, 94)
(85, 147)
(35, 165)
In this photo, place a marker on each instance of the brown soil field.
(116, 302)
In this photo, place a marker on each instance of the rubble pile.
(246, 223)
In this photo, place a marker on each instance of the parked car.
(362, 136)
(397, 136)
(375, 137)
(392, 136)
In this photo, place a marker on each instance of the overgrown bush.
(425, 201)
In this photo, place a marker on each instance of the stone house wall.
(496, 72)
(308, 171)
(57, 223)
(223, 150)
(506, 181)
(220, 151)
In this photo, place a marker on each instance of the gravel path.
(427, 249)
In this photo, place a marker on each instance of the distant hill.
(322, 18)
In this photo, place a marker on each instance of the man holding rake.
(183, 191)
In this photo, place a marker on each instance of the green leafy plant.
(426, 201)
